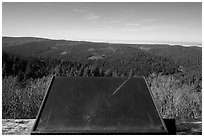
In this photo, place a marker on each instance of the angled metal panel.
(92, 105)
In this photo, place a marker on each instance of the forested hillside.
(28, 64)
(189, 57)
(189, 60)
(13, 41)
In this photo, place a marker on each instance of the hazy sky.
(118, 22)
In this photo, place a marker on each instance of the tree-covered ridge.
(188, 57)
(189, 60)
(32, 67)
(13, 41)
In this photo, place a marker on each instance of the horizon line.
(189, 44)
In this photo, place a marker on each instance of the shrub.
(173, 99)
(22, 101)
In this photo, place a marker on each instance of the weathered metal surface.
(98, 105)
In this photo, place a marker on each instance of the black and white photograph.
(101, 68)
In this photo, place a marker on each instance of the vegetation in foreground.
(173, 100)
(22, 100)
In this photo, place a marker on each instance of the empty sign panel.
(98, 105)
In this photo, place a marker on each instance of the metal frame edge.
(151, 94)
(42, 106)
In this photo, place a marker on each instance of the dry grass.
(175, 100)
(22, 100)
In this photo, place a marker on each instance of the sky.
(173, 23)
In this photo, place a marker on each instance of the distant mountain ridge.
(22, 40)
(13, 41)
(105, 53)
